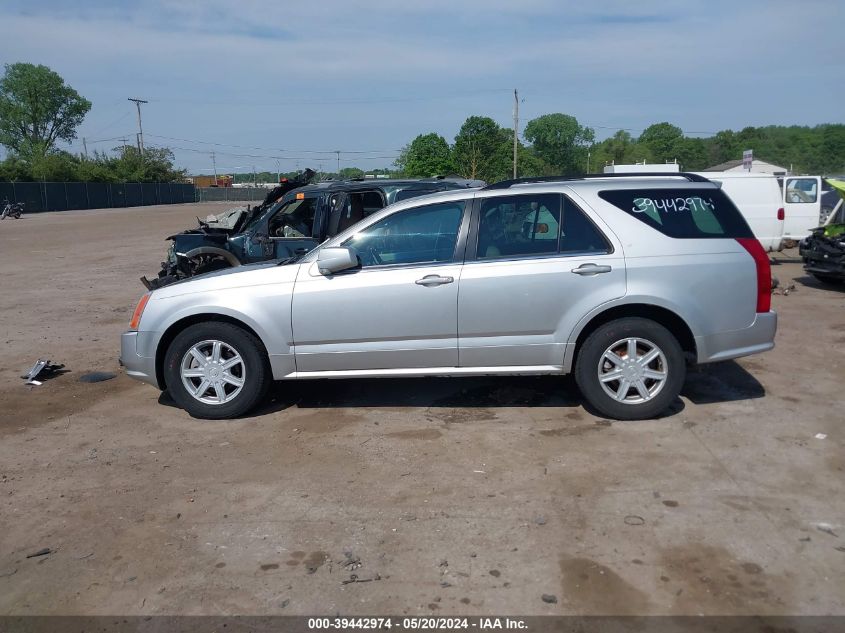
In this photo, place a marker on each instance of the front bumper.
(758, 337)
(138, 367)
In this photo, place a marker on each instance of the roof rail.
(507, 184)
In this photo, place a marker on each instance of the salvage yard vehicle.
(284, 226)
(621, 280)
(823, 251)
(758, 197)
(11, 209)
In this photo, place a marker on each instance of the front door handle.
(434, 280)
(591, 269)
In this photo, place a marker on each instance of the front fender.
(211, 250)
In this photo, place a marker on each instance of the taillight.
(139, 310)
(781, 214)
(764, 272)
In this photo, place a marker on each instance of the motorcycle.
(11, 209)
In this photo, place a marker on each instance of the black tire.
(591, 354)
(828, 279)
(255, 369)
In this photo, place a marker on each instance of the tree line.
(557, 144)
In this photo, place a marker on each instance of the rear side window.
(682, 213)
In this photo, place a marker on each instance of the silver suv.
(621, 280)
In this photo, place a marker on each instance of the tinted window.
(405, 194)
(422, 235)
(682, 213)
(537, 224)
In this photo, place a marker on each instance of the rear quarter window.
(682, 213)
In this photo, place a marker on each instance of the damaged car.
(823, 251)
(294, 218)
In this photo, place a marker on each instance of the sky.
(282, 86)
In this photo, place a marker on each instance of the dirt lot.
(466, 496)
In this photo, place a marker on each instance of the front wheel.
(630, 369)
(216, 370)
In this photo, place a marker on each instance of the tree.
(348, 173)
(662, 139)
(37, 109)
(560, 141)
(483, 150)
(427, 155)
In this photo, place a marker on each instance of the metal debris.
(41, 552)
(43, 369)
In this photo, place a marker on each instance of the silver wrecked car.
(621, 280)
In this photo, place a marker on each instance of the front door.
(398, 309)
(535, 265)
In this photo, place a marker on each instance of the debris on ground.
(97, 376)
(549, 598)
(353, 578)
(540, 520)
(43, 369)
(633, 519)
(783, 291)
(827, 528)
(41, 552)
(820, 436)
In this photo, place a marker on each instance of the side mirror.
(333, 260)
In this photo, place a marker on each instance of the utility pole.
(138, 103)
(338, 162)
(214, 162)
(515, 127)
(85, 148)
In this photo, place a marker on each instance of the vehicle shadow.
(727, 381)
(482, 392)
(811, 282)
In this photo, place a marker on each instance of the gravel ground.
(460, 496)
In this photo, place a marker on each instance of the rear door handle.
(591, 269)
(434, 280)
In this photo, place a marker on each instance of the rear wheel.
(216, 370)
(630, 369)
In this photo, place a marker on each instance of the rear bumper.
(138, 367)
(758, 337)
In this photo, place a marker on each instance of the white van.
(758, 197)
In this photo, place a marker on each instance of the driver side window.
(423, 235)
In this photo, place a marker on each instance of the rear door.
(536, 263)
(802, 205)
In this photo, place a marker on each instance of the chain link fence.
(66, 196)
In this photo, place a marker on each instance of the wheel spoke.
(632, 349)
(648, 357)
(654, 375)
(202, 388)
(613, 358)
(215, 351)
(231, 362)
(195, 372)
(624, 387)
(201, 358)
(610, 376)
(220, 391)
(232, 380)
(642, 390)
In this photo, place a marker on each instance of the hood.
(227, 220)
(238, 277)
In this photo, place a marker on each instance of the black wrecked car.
(294, 218)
